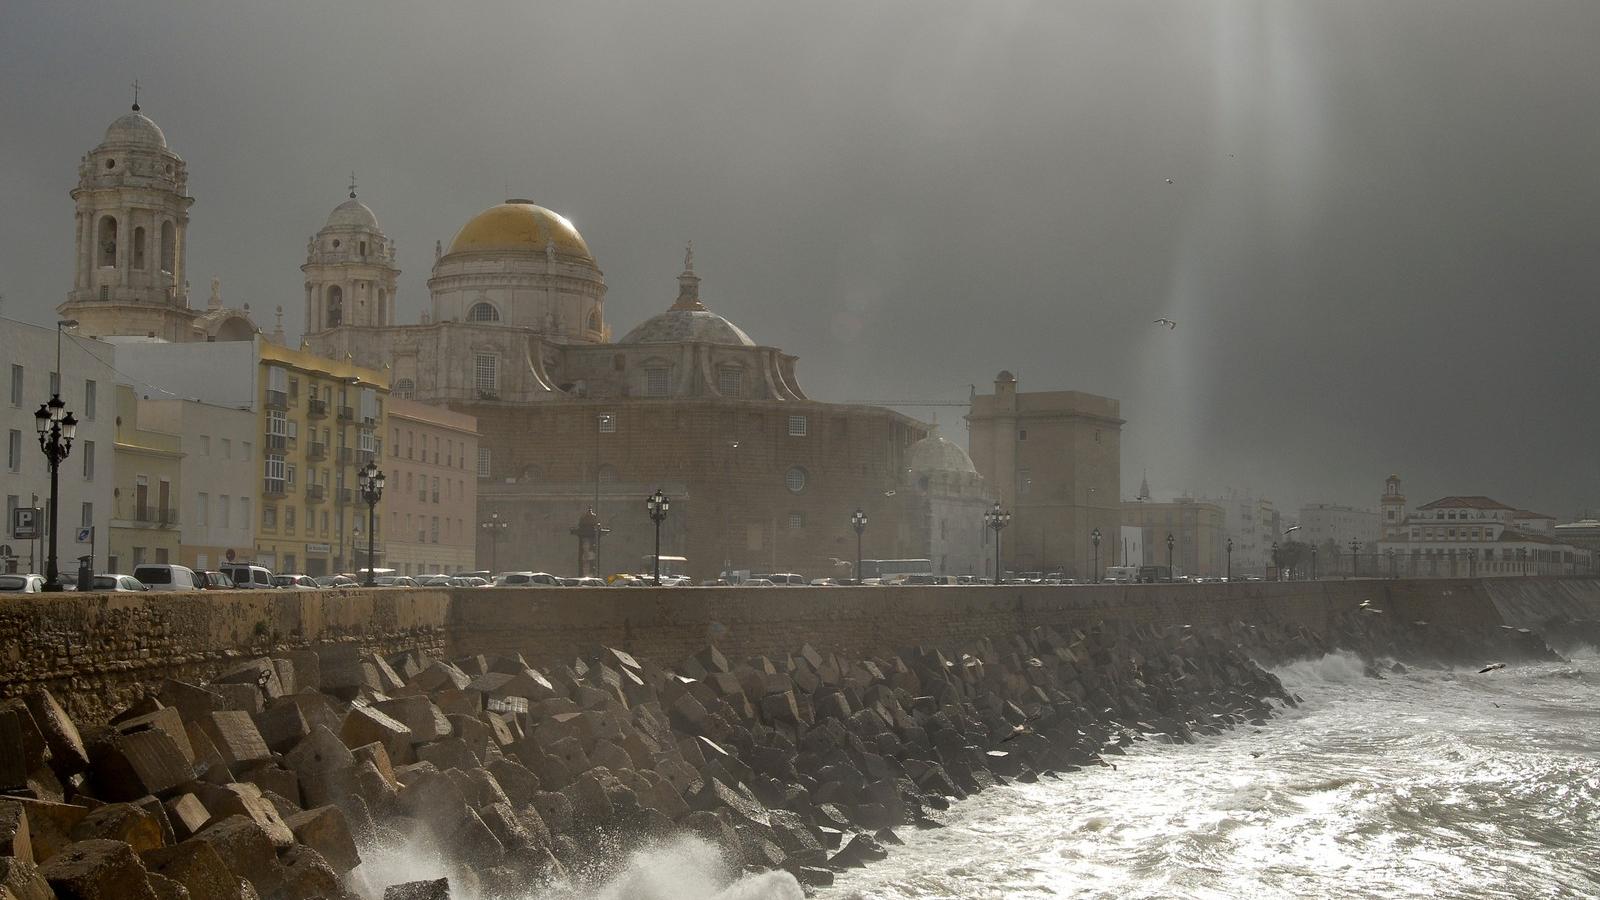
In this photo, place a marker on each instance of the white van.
(164, 577)
(248, 577)
(1122, 574)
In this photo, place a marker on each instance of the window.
(245, 445)
(795, 480)
(202, 506)
(483, 312)
(138, 247)
(86, 515)
(797, 426)
(730, 381)
(276, 471)
(227, 448)
(411, 443)
(608, 423)
(16, 385)
(88, 399)
(486, 374)
(405, 388)
(205, 445)
(14, 451)
(88, 460)
(433, 530)
(288, 518)
(288, 475)
(169, 248)
(269, 518)
(483, 462)
(797, 520)
(278, 379)
(294, 388)
(435, 489)
(224, 511)
(655, 381)
(105, 292)
(1022, 435)
(108, 242)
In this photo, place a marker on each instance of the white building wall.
(220, 466)
(1131, 551)
(83, 360)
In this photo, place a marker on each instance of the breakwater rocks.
(273, 780)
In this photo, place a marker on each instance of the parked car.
(165, 577)
(396, 581)
(116, 583)
(336, 581)
(295, 582)
(215, 581)
(248, 576)
(757, 582)
(784, 579)
(437, 580)
(21, 584)
(526, 579)
(468, 581)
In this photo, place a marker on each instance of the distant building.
(1324, 523)
(1199, 539)
(28, 374)
(1254, 524)
(943, 501)
(1463, 535)
(1054, 459)
(146, 463)
(218, 476)
(1583, 534)
(432, 495)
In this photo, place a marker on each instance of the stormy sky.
(1379, 239)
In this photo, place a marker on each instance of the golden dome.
(519, 225)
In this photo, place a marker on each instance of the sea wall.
(94, 650)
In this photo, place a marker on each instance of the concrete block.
(307, 876)
(236, 738)
(307, 669)
(191, 700)
(126, 767)
(366, 725)
(319, 751)
(67, 753)
(165, 888)
(518, 783)
(23, 880)
(286, 675)
(187, 815)
(418, 714)
(245, 800)
(438, 676)
(49, 824)
(450, 753)
(247, 851)
(165, 719)
(15, 839)
(326, 830)
(240, 697)
(22, 746)
(121, 822)
(259, 673)
(437, 889)
(198, 867)
(379, 757)
(208, 763)
(273, 779)
(97, 870)
(282, 725)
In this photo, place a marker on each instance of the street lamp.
(997, 519)
(1230, 560)
(1095, 537)
(858, 521)
(1355, 558)
(1275, 566)
(493, 526)
(657, 504)
(1472, 562)
(370, 478)
(1170, 542)
(1313, 562)
(56, 428)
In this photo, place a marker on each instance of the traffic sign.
(86, 534)
(25, 522)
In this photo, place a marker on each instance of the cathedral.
(576, 427)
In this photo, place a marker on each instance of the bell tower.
(1392, 510)
(350, 270)
(132, 223)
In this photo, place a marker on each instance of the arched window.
(108, 242)
(795, 480)
(335, 305)
(383, 307)
(138, 247)
(483, 312)
(595, 323)
(404, 388)
(169, 247)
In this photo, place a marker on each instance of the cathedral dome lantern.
(688, 319)
(520, 265)
(350, 269)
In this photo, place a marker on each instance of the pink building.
(432, 495)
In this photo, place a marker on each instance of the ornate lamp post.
(56, 428)
(1472, 562)
(1313, 562)
(858, 521)
(656, 504)
(493, 526)
(997, 519)
(1277, 570)
(1389, 552)
(1230, 560)
(1355, 559)
(371, 479)
(1170, 541)
(1094, 536)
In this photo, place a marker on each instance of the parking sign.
(25, 523)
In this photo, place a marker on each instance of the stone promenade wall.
(92, 651)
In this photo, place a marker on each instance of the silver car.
(21, 584)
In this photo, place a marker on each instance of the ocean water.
(1430, 783)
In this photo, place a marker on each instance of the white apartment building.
(1321, 523)
(28, 372)
(217, 482)
(1253, 523)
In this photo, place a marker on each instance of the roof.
(1476, 501)
(936, 454)
(135, 128)
(1530, 514)
(520, 225)
(681, 325)
(352, 213)
(1514, 536)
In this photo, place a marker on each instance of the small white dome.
(352, 214)
(935, 454)
(136, 128)
(681, 325)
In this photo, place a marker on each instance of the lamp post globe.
(858, 521)
(997, 519)
(657, 504)
(1170, 541)
(1094, 536)
(371, 479)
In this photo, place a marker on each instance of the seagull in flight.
(1165, 321)
(1169, 181)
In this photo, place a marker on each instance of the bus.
(885, 569)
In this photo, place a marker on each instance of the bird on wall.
(1165, 321)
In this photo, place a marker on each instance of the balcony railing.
(317, 450)
(275, 487)
(277, 400)
(316, 493)
(155, 515)
(346, 414)
(277, 442)
(317, 408)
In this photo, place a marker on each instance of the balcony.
(278, 442)
(347, 414)
(316, 450)
(316, 493)
(317, 409)
(347, 495)
(155, 515)
(346, 454)
(274, 487)
(277, 400)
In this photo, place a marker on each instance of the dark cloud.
(1378, 238)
